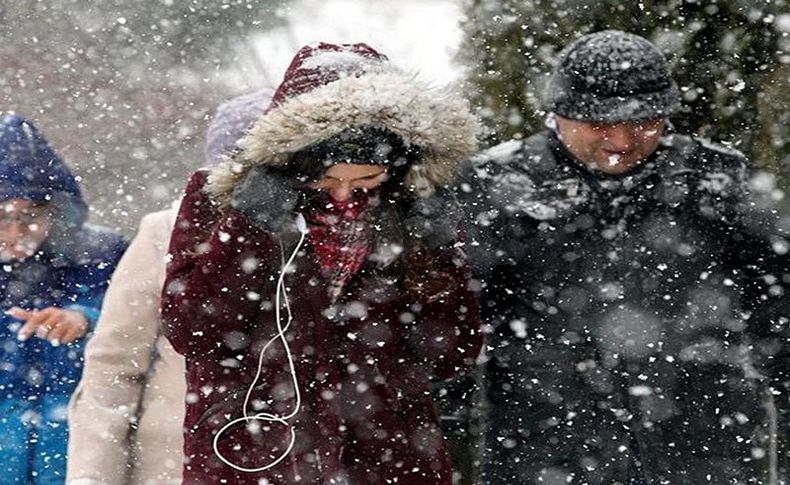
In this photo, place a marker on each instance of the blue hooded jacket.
(70, 270)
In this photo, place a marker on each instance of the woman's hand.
(54, 324)
(267, 198)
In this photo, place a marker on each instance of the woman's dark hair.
(366, 145)
(363, 145)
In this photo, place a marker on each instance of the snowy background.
(420, 35)
(124, 90)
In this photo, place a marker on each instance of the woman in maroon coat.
(316, 285)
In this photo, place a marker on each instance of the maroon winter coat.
(363, 364)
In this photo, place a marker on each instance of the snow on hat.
(329, 89)
(319, 64)
(231, 122)
(610, 77)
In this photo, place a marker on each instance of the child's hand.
(54, 324)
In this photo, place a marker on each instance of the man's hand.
(54, 324)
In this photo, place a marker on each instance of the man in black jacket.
(634, 284)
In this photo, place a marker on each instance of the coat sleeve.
(446, 332)
(90, 281)
(760, 244)
(215, 274)
(763, 263)
(118, 357)
(760, 240)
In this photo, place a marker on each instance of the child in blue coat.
(54, 269)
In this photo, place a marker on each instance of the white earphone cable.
(301, 224)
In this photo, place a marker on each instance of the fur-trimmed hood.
(437, 120)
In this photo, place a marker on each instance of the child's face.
(24, 225)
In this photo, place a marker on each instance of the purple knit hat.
(230, 123)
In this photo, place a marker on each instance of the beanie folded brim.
(618, 109)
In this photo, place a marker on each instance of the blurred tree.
(730, 57)
(123, 88)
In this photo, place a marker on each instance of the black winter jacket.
(635, 321)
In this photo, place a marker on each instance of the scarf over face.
(340, 236)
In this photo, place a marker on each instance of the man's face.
(613, 148)
(24, 225)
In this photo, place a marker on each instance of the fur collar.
(438, 120)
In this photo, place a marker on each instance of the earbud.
(301, 223)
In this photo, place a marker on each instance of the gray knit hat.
(230, 124)
(610, 77)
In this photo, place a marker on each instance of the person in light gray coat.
(128, 410)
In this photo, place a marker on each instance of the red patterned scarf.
(340, 237)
